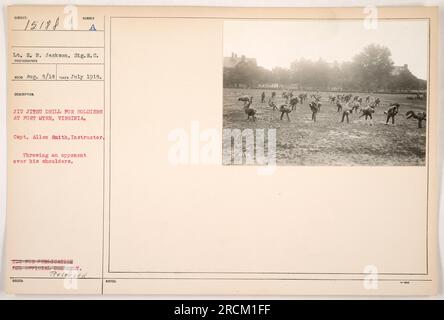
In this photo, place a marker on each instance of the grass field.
(328, 141)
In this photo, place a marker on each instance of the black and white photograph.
(336, 92)
(222, 151)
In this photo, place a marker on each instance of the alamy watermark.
(371, 18)
(371, 277)
(239, 147)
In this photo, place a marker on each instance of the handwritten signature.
(68, 274)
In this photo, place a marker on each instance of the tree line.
(371, 70)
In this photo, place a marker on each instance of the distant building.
(397, 70)
(234, 60)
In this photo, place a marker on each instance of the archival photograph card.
(222, 151)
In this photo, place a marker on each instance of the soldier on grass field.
(392, 112)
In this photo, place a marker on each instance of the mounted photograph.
(332, 92)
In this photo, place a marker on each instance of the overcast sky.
(278, 43)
